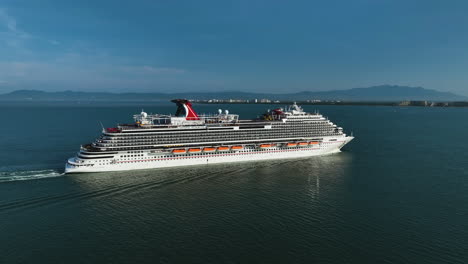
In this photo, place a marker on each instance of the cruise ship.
(186, 138)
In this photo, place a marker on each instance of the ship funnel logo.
(184, 107)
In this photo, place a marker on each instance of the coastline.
(357, 103)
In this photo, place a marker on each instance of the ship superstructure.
(186, 138)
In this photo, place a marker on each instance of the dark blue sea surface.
(398, 193)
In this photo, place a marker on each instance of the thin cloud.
(76, 69)
(9, 21)
(13, 36)
(54, 42)
(12, 29)
(162, 70)
(151, 70)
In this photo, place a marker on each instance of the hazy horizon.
(386, 86)
(247, 46)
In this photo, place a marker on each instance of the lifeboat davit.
(290, 145)
(302, 144)
(237, 147)
(209, 149)
(194, 150)
(223, 148)
(179, 151)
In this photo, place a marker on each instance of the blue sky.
(264, 46)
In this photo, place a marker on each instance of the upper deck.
(187, 119)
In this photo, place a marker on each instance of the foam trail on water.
(28, 175)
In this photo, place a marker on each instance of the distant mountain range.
(374, 93)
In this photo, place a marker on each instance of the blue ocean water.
(398, 193)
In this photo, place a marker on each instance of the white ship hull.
(148, 160)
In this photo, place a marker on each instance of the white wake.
(28, 175)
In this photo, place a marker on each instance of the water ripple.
(9, 176)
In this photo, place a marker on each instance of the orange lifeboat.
(266, 145)
(209, 149)
(237, 147)
(302, 144)
(179, 151)
(194, 150)
(290, 145)
(223, 148)
(313, 143)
